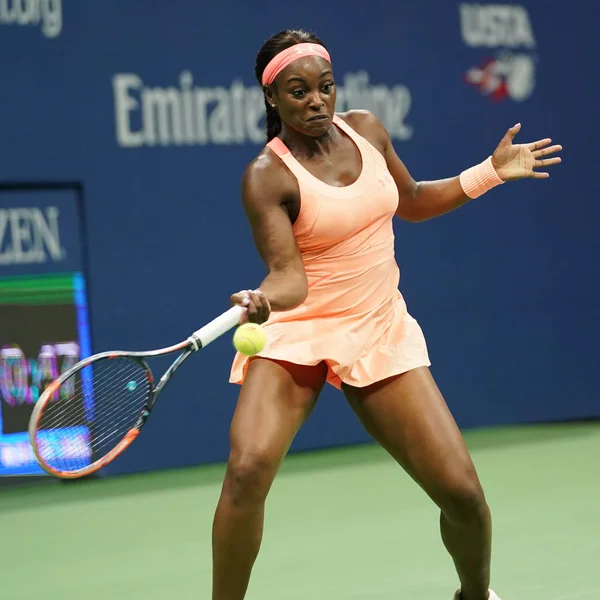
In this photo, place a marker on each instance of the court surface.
(341, 524)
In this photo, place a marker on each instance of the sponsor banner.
(46, 15)
(507, 69)
(184, 113)
(39, 232)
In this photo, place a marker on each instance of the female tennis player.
(320, 199)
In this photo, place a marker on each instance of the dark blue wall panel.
(506, 288)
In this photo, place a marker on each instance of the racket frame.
(198, 340)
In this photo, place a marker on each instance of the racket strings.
(91, 412)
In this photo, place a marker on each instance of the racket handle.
(217, 327)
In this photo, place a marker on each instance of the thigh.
(274, 401)
(409, 417)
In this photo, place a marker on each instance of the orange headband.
(283, 59)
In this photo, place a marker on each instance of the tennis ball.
(249, 339)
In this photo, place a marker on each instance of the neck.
(308, 145)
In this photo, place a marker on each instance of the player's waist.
(360, 290)
(378, 299)
(350, 272)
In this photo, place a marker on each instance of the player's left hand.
(517, 161)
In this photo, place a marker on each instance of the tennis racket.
(94, 411)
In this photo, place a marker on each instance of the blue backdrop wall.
(154, 109)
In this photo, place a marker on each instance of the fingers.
(538, 150)
(546, 162)
(547, 151)
(239, 299)
(539, 144)
(257, 306)
(512, 132)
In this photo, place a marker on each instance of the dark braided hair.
(273, 46)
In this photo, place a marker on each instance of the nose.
(316, 102)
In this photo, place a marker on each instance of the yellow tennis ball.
(249, 339)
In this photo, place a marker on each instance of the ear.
(269, 94)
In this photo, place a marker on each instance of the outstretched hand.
(517, 161)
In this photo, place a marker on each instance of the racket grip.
(217, 327)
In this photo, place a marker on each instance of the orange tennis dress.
(354, 317)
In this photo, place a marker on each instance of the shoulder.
(267, 180)
(369, 126)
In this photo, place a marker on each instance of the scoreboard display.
(44, 326)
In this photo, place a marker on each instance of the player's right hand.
(257, 306)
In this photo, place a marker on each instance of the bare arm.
(267, 189)
(426, 199)
(419, 201)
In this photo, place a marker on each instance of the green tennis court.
(341, 524)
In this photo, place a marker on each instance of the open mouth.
(318, 118)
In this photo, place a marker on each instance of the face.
(304, 95)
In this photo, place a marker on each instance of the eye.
(298, 93)
(327, 88)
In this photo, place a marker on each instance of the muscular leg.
(408, 416)
(275, 399)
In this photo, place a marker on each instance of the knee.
(462, 499)
(248, 478)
